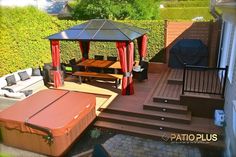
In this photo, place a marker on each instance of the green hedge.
(185, 13)
(183, 4)
(23, 43)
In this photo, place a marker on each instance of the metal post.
(184, 78)
(226, 73)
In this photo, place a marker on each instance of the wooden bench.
(114, 77)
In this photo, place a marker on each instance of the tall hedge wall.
(23, 43)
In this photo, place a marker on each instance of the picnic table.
(99, 64)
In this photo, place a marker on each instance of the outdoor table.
(115, 65)
(100, 64)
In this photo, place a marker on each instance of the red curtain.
(125, 51)
(142, 46)
(84, 47)
(55, 48)
(55, 45)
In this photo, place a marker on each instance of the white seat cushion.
(32, 80)
(16, 87)
(3, 82)
(3, 92)
(15, 95)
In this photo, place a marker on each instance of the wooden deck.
(155, 110)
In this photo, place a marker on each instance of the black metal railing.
(206, 80)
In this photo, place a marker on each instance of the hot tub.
(47, 122)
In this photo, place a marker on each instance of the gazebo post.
(55, 52)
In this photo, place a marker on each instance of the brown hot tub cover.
(55, 117)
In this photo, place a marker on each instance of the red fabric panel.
(126, 62)
(84, 47)
(130, 56)
(57, 79)
(121, 47)
(130, 60)
(55, 46)
(142, 46)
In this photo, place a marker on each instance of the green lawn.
(185, 10)
(188, 13)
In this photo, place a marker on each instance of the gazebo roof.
(100, 30)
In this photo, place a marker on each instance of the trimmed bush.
(23, 43)
(185, 13)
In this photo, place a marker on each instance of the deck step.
(166, 107)
(163, 99)
(175, 81)
(147, 132)
(157, 115)
(176, 75)
(167, 91)
(161, 125)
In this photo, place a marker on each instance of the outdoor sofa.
(16, 86)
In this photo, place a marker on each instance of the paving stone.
(130, 146)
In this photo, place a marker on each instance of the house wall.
(229, 47)
(230, 96)
(207, 32)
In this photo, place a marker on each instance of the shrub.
(22, 43)
(116, 9)
(95, 133)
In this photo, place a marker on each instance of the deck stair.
(161, 114)
(175, 76)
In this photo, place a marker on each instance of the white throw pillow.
(29, 71)
(17, 77)
(3, 92)
(15, 95)
(3, 82)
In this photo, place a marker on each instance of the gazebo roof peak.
(100, 30)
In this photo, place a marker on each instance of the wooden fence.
(207, 32)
